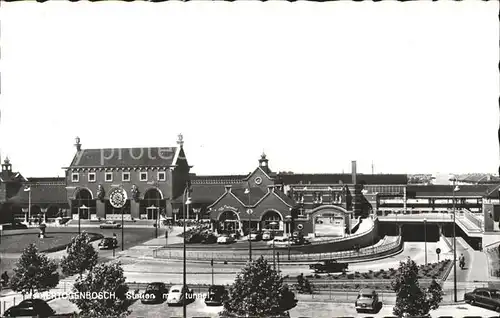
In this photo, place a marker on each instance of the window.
(108, 177)
(125, 176)
(144, 176)
(162, 176)
(75, 177)
(91, 177)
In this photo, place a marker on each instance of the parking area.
(304, 310)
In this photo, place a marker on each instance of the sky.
(411, 87)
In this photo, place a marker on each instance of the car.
(329, 266)
(367, 300)
(108, 243)
(30, 308)
(155, 293)
(488, 297)
(224, 239)
(255, 236)
(209, 239)
(175, 295)
(110, 225)
(268, 235)
(300, 241)
(194, 238)
(280, 241)
(217, 294)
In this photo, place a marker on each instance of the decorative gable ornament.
(118, 198)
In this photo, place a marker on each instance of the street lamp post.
(274, 250)
(455, 189)
(425, 239)
(123, 240)
(185, 204)
(288, 221)
(249, 211)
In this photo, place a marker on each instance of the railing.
(473, 219)
(268, 254)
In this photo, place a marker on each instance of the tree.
(434, 295)
(34, 272)
(81, 256)
(303, 285)
(258, 291)
(104, 290)
(411, 299)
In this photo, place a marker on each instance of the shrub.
(350, 276)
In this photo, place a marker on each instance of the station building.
(151, 177)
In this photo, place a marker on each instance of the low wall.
(362, 254)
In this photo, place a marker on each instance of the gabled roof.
(222, 179)
(257, 169)
(204, 193)
(8, 176)
(285, 198)
(43, 192)
(256, 194)
(126, 157)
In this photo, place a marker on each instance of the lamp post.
(185, 204)
(274, 254)
(288, 220)
(455, 189)
(123, 237)
(425, 239)
(250, 212)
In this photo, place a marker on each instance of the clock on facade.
(258, 180)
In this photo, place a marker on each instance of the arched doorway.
(35, 213)
(53, 212)
(272, 220)
(229, 222)
(152, 204)
(83, 203)
(329, 221)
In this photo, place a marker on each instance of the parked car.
(217, 294)
(30, 308)
(300, 241)
(329, 266)
(488, 297)
(280, 241)
(110, 225)
(255, 236)
(209, 239)
(367, 300)
(175, 295)
(194, 238)
(14, 226)
(225, 239)
(155, 293)
(268, 235)
(108, 243)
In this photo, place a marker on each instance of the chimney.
(353, 164)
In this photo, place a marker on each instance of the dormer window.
(91, 176)
(108, 176)
(75, 177)
(162, 176)
(143, 176)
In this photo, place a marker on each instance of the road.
(147, 270)
(303, 309)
